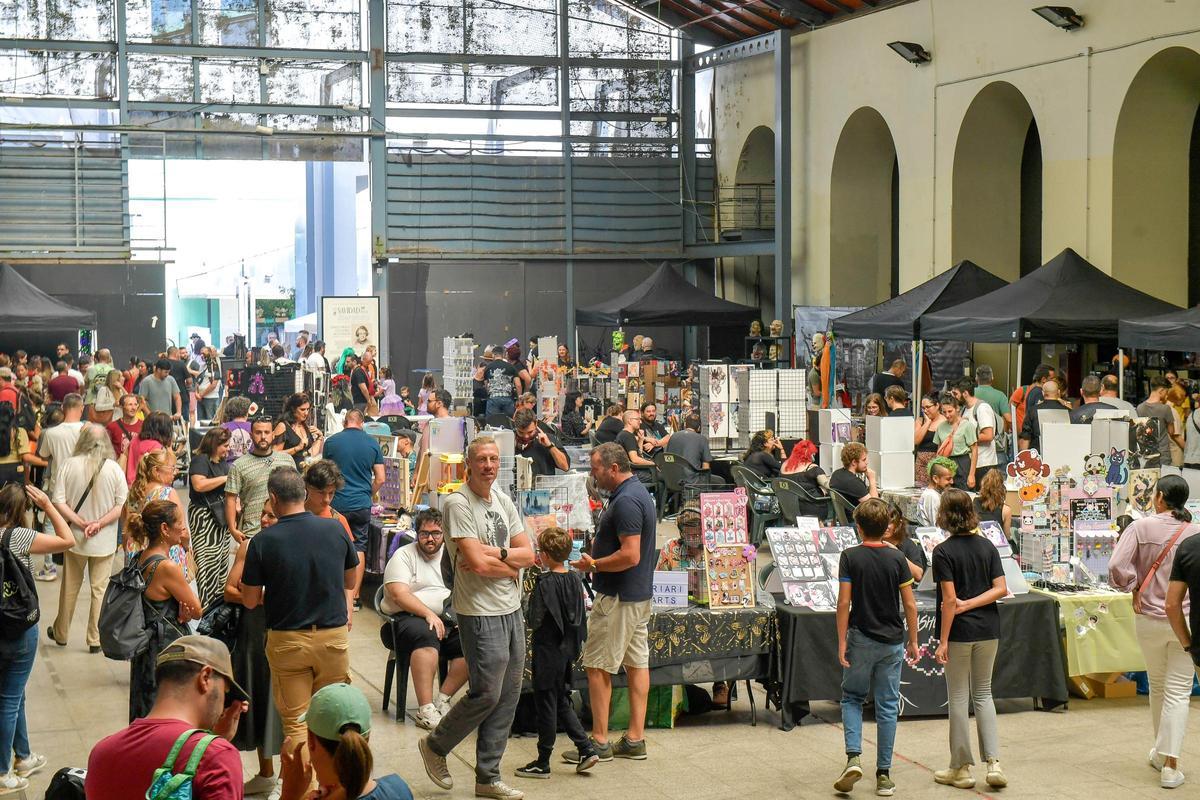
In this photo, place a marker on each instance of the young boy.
(559, 624)
(871, 640)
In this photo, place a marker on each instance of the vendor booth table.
(907, 500)
(1098, 632)
(1029, 662)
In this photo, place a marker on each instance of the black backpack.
(18, 595)
(123, 629)
(67, 784)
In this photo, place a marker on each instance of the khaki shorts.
(617, 635)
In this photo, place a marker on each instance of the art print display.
(1141, 490)
(797, 554)
(349, 322)
(1031, 474)
(817, 595)
(730, 576)
(929, 538)
(568, 500)
(994, 533)
(718, 420)
(535, 502)
(808, 562)
(723, 518)
(718, 383)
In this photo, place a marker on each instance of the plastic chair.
(756, 488)
(674, 472)
(796, 501)
(843, 509)
(399, 659)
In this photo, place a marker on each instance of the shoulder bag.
(1137, 594)
(57, 558)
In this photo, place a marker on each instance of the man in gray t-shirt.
(161, 391)
(1156, 407)
(488, 548)
(694, 447)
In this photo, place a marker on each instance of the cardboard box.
(1108, 685)
(890, 434)
(893, 470)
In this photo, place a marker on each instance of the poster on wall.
(349, 322)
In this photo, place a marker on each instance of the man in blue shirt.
(360, 459)
(622, 560)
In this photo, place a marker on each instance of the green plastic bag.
(662, 707)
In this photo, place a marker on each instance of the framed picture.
(349, 322)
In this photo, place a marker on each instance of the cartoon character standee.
(1029, 469)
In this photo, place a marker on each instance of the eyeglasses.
(428, 534)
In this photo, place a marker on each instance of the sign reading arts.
(670, 589)
(349, 322)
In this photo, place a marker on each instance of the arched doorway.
(748, 207)
(1156, 179)
(864, 224)
(997, 184)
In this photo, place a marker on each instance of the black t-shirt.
(883, 381)
(629, 441)
(848, 485)
(608, 429)
(762, 464)
(179, 372)
(630, 511)
(358, 378)
(1186, 569)
(300, 562)
(913, 551)
(205, 468)
(1087, 411)
(902, 411)
(500, 379)
(543, 461)
(655, 429)
(971, 563)
(875, 573)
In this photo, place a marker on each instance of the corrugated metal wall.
(63, 201)
(486, 205)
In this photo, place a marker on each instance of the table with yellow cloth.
(1098, 632)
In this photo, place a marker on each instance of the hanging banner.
(349, 322)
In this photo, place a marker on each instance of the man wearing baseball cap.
(339, 724)
(196, 690)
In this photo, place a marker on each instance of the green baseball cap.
(334, 707)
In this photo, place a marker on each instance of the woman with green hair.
(941, 475)
(340, 369)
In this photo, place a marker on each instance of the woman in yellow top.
(14, 453)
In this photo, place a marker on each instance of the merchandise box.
(892, 470)
(890, 434)
(831, 457)
(830, 422)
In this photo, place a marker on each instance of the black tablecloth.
(1029, 662)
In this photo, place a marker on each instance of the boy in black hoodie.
(559, 623)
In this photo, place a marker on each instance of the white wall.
(1075, 84)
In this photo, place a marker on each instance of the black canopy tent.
(1064, 300)
(899, 319)
(665, 298)
(1178, 330)
(24, 308)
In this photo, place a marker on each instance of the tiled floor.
(1095, 750)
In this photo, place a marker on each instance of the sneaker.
(442, 706)
(534, 769)
(259, 784)
(588, 760)
(627, 749)
(884, 785)
(850, 775)
(46, 575)
(1171, 778)
(24, 767)
(959, 777)
(435, 765)
(995, 776)
(1155, 762)
(11, 783)
(427, 717)
(604, 752)
(498, 790)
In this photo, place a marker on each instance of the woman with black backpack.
(18, 622)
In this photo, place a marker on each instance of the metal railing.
(741, 207)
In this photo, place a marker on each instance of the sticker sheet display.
(723, 518)
(808, 561)
(1141, 490)
(730, 577)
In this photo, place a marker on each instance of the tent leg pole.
(1015, 443)
(916, 381)
(1121, 372)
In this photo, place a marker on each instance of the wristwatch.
(504, 554)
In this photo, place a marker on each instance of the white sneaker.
(46, 575)
(259, 784)
(24, 767)
(1155, 762)
(12, 783)
(1171, 778)
(427, 717)
(995, 776)
(442, 706)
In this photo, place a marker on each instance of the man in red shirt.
(195, 690)
(63, 383)
(9, 393)
(122, 429)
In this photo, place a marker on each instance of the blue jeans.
(501, 405)
(16, 662)
(877, 663)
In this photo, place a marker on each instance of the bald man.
(630, 442)
(1031, 433)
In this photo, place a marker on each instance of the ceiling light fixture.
(1063, 17)
(911, 52)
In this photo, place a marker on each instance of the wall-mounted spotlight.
(911, 52)
(1063, 17)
